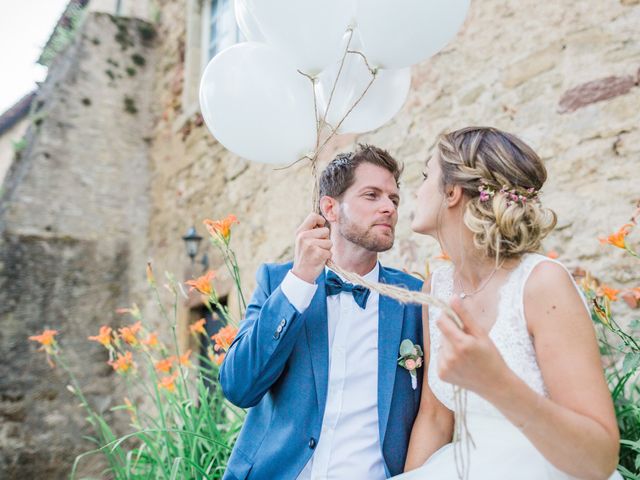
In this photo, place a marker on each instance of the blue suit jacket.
(282, 375)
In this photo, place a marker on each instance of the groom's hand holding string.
(468, 357)
(312, 249)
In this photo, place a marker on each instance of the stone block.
(531, 66)
(595, 91)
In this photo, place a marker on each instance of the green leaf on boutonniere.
(407, 348)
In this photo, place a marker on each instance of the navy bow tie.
(335, 285)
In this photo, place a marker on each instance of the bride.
(538, 406)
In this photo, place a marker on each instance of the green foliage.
(147, 32)
(38, 118)
(123, 37)
(620, 347)
(138, 59)
(64, 32)
(188, 436)
(130, 105)
(19, 145)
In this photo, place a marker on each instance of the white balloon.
(398, 34)
(384, 98)
(256, 104)
(308, 31)
(247, 23)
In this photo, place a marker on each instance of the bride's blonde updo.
(501, 175)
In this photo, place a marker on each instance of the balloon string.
(335, 83)
(335, 129)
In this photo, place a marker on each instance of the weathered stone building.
(119, 166)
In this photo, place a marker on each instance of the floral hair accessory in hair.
(411, 359)
(486, 192)
(513, 194)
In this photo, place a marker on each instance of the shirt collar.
(372, 276)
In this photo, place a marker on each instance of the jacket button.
(276, 335)
(283, 322)
(312, 443)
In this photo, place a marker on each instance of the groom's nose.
(388, 206)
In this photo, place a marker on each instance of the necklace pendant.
(463, 295)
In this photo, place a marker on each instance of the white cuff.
(297, 291)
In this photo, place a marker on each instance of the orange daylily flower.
(610, 293)
(45, 339)
(104, 337)
(198, 327)
(164, 365)
(151, 340)
(203, 283)
(128, 334)
(123, 363)
(184, 359)
(618, 239)
(552, 254)
(224, 338)
(48, 342)
(215, 357)
(218, 359)
(221, 228)
(168, 383)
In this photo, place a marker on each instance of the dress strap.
(529, 263)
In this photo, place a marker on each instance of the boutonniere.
(411, 359)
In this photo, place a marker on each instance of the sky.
(25, 26)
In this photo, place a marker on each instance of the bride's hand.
(468, 357)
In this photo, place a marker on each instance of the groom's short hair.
(339, 175)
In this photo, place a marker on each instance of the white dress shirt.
(349, 443)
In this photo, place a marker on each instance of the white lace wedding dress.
(501, 450)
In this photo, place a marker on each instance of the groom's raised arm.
(271, 326)
(264, 342)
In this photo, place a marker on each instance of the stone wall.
(73, 230)
(562, 75)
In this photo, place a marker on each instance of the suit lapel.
(318, 339)
(390, 318)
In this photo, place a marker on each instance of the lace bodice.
(509, 333)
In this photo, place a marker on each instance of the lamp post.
(192, 243)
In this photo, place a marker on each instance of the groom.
(316, 358)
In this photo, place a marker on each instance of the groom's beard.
(372, 237)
